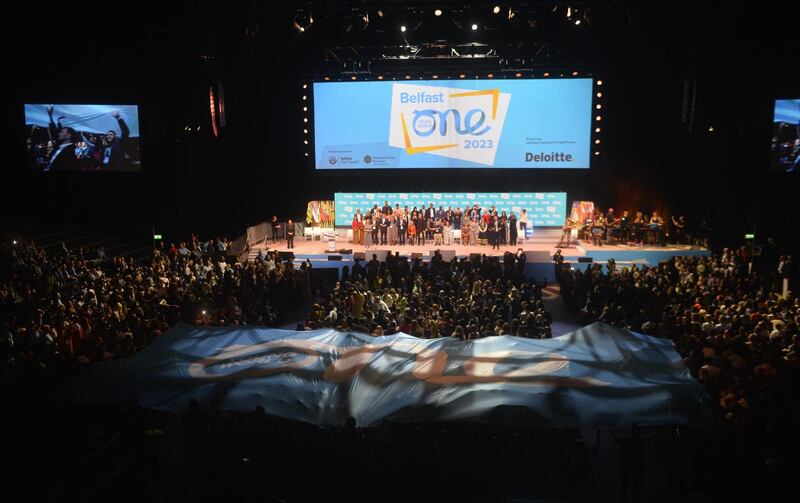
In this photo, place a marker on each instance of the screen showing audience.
(519, 123)
(83, 138)
(786, 136)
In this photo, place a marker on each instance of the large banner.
(598, 376)
(542, 123)
(544, 208)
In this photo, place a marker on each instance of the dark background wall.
(740, 57)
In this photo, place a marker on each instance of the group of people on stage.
(399, 226)
(610, 228)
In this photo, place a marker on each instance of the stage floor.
(537, 252)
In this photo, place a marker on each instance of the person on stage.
(275, 227)
(566, 233)
(495, 229)
(598, 229)
(638, 228)
(624, 227)
(429, 213)
(483, 229)
(372, 225)
(412, 232)
(401, 229)
(503, 235)
(474, 231)
(523, 222)
(679, 230)
(512, 229)
(358, 227)
(421, 224)
(656, 226)
(290, 234)
(383, 225)
(447, 230)
(386, 210)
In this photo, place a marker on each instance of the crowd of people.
(638, 229)
(471, 226)
(735, 324)
(74, 307)
(466, 299)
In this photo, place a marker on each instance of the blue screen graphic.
(544, 209)
(541, 123)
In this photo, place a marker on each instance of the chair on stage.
(349, 237)
(457, 236)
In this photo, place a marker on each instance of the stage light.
(597, 142)
(598, 118)
(461, 76)
(380, 77)
(599, 82)
(511, 13)
(577, 22)
(546, 74)
(597, 130)
(204, 312)
(435, 76)
(305, 142)
(302, 22)
(14, 242)
(380, 13)
(710, 129)
(304, 97)
(408, 77)
(597, 153)
(518, 74)
(599, 95)
(490, 75)
(305, 119)
(403, 28)
(353, 77)
(326, 78)
(305, 86)
(574, 74)
(437, 12)
(569, 12)
(305, 131)
(474, 27)
(598, 106)
(305, 109)
(306, 154)
(496, 9)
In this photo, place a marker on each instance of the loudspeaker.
(345, 251)
(359, 256)
(284, 256)
(474, 256)
(334, 257)
(447, 255)
(416, 255)
(584, 259)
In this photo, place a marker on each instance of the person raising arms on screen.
(113, 156)
(62, 157)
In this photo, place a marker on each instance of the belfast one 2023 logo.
(464, 124)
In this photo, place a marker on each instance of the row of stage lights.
(303, 21)
(598, 107)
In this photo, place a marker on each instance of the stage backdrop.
(533, 123)
(544, 208)
(598, 376)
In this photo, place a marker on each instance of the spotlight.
(305, 142)
(490, 75)
(546, 74)
(305, 131)
(596, 153)
(597, 130)
(403, 28)
(204, 312)
(577, 22)
(574, 74)
(597, 142)
(380, 13)
(305, 86)
(474, 27)
(302, 22)
(496, 9)
(599, 82)
(353, 77)
(437, 12)
(408, 77)
(327, 78)
(380, 77)
(518, 74)
(461, 76)
(305, 119)
(305, 109)
(598, 118)
(598, 106)
(306, 154)
(304, 97)
(599, 95)
(14, 242)
(511, 13)
(710, 129)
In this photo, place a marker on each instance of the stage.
(539, 251)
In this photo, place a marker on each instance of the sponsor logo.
(332, 159)
(367, 159)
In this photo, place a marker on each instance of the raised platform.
(539, 253)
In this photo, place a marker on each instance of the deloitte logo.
(464, 124)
